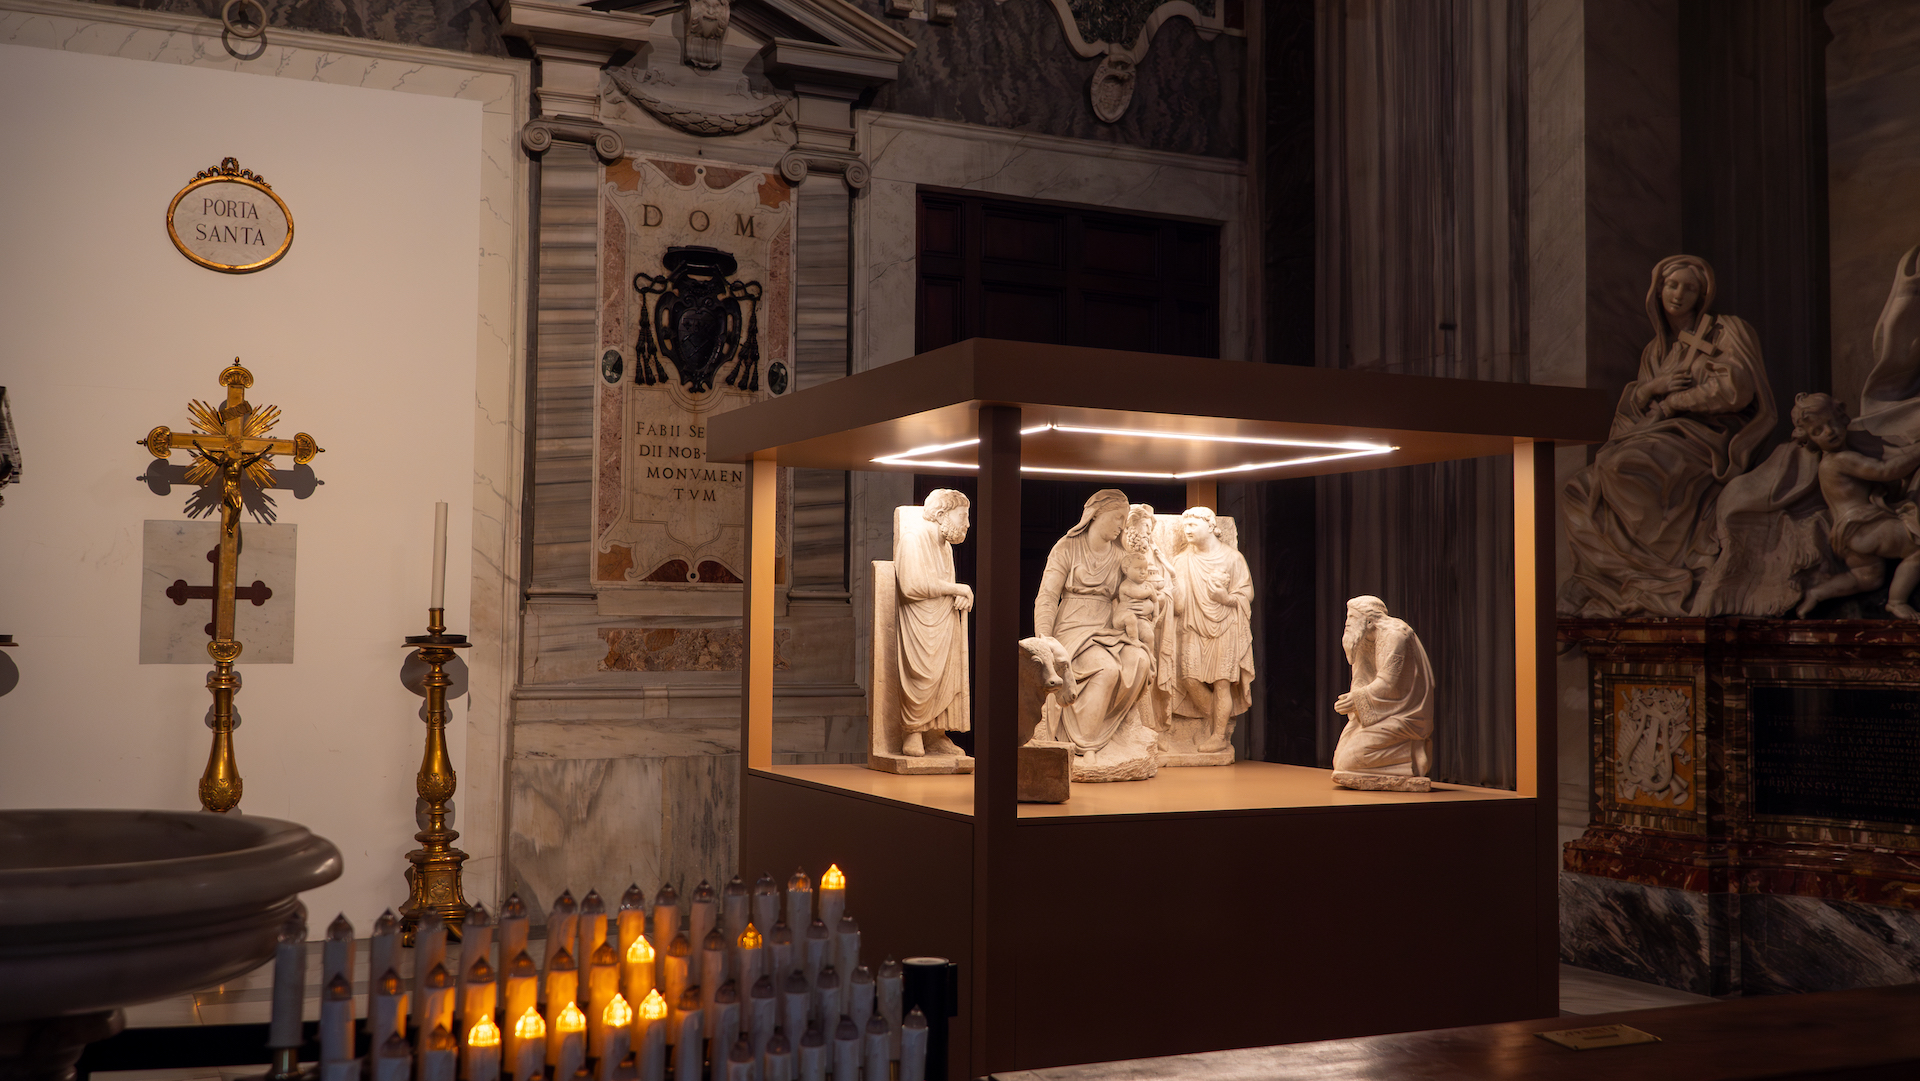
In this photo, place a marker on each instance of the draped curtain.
(1421, 254)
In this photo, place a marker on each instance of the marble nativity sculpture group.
(1142, 655)
(1674, 518)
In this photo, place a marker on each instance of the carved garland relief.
(1653, 759)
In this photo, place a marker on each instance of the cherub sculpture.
(1868, 529)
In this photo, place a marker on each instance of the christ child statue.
(1143, 591)
(1867, 529)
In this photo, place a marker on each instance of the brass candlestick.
(433, 879)
(228, 443)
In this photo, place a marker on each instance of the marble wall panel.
(1008, 65)
(1791, 945)
(468, 26)
(1646, 933)
(1873, 157)
(571, 826)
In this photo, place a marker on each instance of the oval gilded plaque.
(228, 219)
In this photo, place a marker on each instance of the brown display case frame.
(1210, 907)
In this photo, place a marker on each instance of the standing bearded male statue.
(932, 609)
(1387, 744)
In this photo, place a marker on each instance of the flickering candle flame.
(617, 1014)
(750, 938)
(834, 879)
(653, 1007)
(531, 1027)
(571, 1019)
(640, 952)
(487, 1034)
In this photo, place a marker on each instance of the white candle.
(437, 1055)
(813, 1053)
(740, 1061)
(713, 973)
(736, 911)
(818, 939)
(603, 986)
(289, 982)
(874, 1049)
(636, 974)
(393, 1060)
(650, 1037)
(513, 937)
(630, 923)
(666, 920)
(383, 950)
(386, 1010)
(889, 990)
(336, 954)
(913, 1047)
(846, 1050)
(529, 1045)
(780, 953)
(763, 1010)
(689, 1038)
(723, 1019)
(749, 957)
(702, 917)
(561, 921)
(616, 1033)
(563, 994)
(429, 953)
(799, 901)
(476, 937)
(340, 1071)
(766, 903)
(779, 1058)
(438, 999)
(796, 1002)
(833, 899)
(522, 995)
(846, 947)
(826, 999)
(477, 993)
(482, 1061)
(674, 978)
(336, 1021)
(567, 1040)
(439, 556)
(591, 929)
(859, 997)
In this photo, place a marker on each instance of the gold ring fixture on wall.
(229, 219)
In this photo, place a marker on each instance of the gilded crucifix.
(228, 442)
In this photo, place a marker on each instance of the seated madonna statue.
(1111, 669)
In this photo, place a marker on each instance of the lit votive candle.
(567, 1041)
(563, 991)
(631, 921)
(477, 993)
(833, 898)
(523, 994)
(603, 986)
(529, 1046)
(636, 978)
(616, 1034)
(483, 1051)
(749, 956)
(650, 1037)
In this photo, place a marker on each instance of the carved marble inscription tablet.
(694, 313)
(1849, 754)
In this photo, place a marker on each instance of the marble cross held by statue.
(228, 442)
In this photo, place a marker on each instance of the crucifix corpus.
(227, 443)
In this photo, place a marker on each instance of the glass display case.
(1207, 907)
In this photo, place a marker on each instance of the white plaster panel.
(393, 331)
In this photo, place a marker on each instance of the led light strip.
(1348, 450)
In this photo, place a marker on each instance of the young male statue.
(1213, 600)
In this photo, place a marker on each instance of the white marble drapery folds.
(1640, 519)
(1389, 707)
(931, 629)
